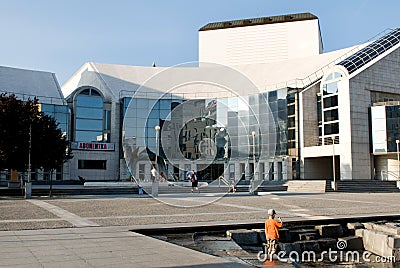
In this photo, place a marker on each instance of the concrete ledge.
(355, 225)
(244, 237)
(389, 228)
(330, 230)
(14, 184)
(352, 242)
(377, 242)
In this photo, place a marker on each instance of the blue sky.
(59, 36)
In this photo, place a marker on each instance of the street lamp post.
(154, 186)
(254, 163)
(28, 184)
(333, 165)
(398, 159)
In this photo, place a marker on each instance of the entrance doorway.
(211, 172)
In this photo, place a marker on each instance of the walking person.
(272, 232)
(195, 181)
(232, 187)
(163, 177)
(153, 173)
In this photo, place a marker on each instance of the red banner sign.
(92, 146)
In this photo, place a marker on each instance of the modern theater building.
(264, 102)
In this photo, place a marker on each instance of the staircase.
(70, 191)
(272, 186)
(306, 186)
(185, 190)
(367, 186)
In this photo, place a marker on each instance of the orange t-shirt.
(271, 229)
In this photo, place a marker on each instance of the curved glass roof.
(370, 52)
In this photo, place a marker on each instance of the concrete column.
(276, 175)
(284, 168)
(238, 175)
(226, 171)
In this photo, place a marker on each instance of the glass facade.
(60, 113)
(209, 129)
(327, 107)
(92, 121)
(392, 127)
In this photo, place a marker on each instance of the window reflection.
(92, 122)
(236, 115)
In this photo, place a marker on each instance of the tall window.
(328, 117)
(91, 119)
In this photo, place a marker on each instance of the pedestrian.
(272, 231)
(153, 173)
(163, 177)
(232, 187)
(195, 181)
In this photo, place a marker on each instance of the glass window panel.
(92, 164)
(143, 104)
(91, 113)
(85, 92)
(291, 98)
(107, 121)
(332, 128)
(272, 96)
(154, 114)
(174, 105)
(94, 93)
(61, 109)
(84, 124)
(89, 101)
(330, 88)
(233, 103)
(47, 108)
(331, 115)
(291, 121)
(291, 134)
(291, 109)
(330, 102)
(87, 136)
(151, 123)
(61, 118)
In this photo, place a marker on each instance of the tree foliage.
(49, 147)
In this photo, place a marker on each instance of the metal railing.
(221, 178)
(41, 99)
(385, 174)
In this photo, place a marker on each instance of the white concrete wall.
(386, 167)
(260, 43)
(383, 76)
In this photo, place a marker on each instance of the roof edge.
(258, 21)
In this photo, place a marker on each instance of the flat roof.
(258, 21)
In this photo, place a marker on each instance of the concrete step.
(306, 186)
(86, 191)
(182, 190)
(367, 186)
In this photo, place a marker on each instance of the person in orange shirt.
(272, 231)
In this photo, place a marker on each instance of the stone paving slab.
(98, 247)
(112, 244)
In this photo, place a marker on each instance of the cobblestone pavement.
(135, 210)
(95, 231)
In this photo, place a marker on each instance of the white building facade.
(271, 106)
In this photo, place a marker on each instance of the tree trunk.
(51, 182)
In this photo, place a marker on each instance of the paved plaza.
(95, 231)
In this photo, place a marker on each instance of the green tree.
(49, 147)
